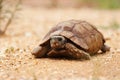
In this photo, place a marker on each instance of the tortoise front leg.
(40, 51)
(76, 53)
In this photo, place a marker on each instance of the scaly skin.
(77, 53)
(40, 51)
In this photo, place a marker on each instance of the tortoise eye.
(59, 39)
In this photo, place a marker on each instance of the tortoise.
(74, 39)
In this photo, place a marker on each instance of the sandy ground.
(17, 63)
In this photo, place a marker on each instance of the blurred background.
(44, 13)
(99, 4)
(24, 23)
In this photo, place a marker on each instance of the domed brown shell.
(79, 32)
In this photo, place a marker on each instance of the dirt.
(26, 32)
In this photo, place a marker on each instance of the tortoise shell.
(81, 33)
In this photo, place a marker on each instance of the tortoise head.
(57, 42)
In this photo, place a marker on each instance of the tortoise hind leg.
(105, 48)
(40, 51)
(77, 53)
